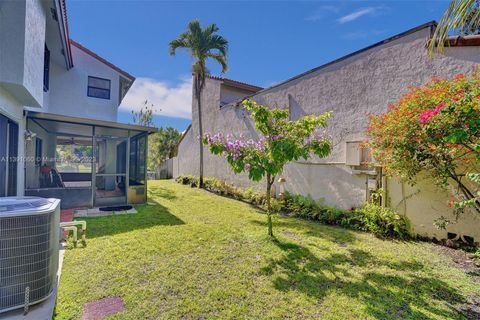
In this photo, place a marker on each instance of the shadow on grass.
(153, 214)
(313, 229)
(384, 295)
(159, 192)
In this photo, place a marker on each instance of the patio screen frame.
(129, 132)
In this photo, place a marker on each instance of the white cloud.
(170, 101)
(357, 14)
(321, 13)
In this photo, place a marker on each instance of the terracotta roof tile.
(237, 84)
(465, 41)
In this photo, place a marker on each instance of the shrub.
(373, 218)
(434, 129)
(225, 189)
(383, 222)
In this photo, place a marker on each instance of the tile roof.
(237, 84)
(463, 41)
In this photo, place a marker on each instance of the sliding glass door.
(8, 157)
(111, 171)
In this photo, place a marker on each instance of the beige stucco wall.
(352, 88)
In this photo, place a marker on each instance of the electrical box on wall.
(353, 153)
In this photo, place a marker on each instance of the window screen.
(98, 88)
(38, 151)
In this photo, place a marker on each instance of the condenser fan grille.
(28, 258)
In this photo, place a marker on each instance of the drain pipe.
(71, 225)
(74, 229)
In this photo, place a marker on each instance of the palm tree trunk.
(198, 93)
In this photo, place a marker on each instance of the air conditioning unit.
(29, 247)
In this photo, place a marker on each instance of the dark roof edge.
(430, 24)
(61, 8)
(104, 61)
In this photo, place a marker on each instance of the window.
(98, 88)
(46, 69)
(38, 151)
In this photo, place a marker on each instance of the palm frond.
(180, 42)
(219, 43)
(457, 15)
(202, 44)
(210, 29)
(221, 59)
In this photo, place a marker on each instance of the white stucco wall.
(68, 89)
(13, 109)
(22, 35)
(364, 83)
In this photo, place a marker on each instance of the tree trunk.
(198, 93)
(466, 192)
(269, 206)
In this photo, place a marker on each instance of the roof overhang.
(90, 122)
(236, 84)
(123, 73)
(61, 9)
(463, 41)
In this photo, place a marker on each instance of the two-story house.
(58, 111)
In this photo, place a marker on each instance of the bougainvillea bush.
(281, 141)
(434, 128)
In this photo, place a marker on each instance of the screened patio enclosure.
(85, 162)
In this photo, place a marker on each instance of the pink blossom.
(428, 114)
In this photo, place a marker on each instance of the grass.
(195, 255)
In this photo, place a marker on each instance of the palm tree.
(202, 45)
(462, 16)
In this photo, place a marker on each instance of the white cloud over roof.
(168, 100)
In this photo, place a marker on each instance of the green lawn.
(195, 255)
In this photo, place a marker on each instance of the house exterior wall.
(26, 27)
(364, 83)
(22, 27)
(13, 109)
(68, 89)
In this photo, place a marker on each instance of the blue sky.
(269, 41)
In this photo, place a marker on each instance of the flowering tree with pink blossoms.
(434, 129)
(281, 141)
